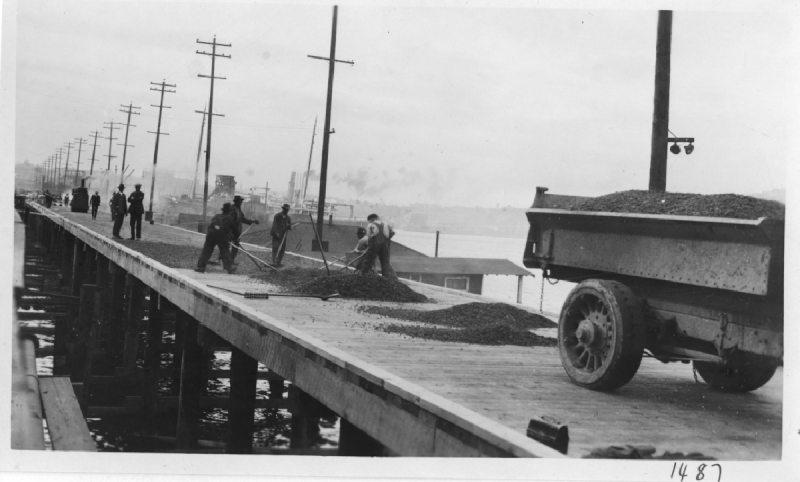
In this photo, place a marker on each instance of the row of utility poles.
(52, 168)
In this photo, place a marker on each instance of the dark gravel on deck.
(364, 287)
(679, 204)
(476, 323)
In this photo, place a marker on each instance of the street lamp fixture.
(676, 149)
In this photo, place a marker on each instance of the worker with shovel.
(238, 215)
(221, 232)
(281, 225)
(379, 235)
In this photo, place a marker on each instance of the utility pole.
(94, 148)
(66, 165)
(110, 138)
(211, 114)
(80, 147)
(127, 128)
(323, 174)
(149, 214)
(58, 169)
(199, 149)
(658, 141)
(308, 171)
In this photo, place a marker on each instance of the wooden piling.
(67, 243)
(152, 355)
(241, 411)
(135, 300)
(306, 412)
(191, 385)
(86, 335)
(117, 313)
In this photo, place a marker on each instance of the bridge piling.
(241, 408)
(192, 383)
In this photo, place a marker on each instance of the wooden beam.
(65, 422)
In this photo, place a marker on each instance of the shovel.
(267, 295)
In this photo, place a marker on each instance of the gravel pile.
(364, 287)
(654, 202)
(476, 323)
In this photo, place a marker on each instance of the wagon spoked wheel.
(601, 334)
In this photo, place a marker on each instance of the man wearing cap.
(221, 231)
(238, 215)
(136, 209)
(281, 225)
(119, 209)
(378, 236)
(95, 203)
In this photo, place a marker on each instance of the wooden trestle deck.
(421, 397)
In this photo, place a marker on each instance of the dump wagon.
(685, 289)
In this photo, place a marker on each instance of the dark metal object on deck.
(550, 432)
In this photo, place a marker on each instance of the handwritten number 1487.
(680, 471)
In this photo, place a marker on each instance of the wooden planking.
(65, 422)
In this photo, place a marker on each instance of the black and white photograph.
(400, 240)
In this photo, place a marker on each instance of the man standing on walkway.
(136, 210)
(95, 203)
(378, 236)
(281, 225)
(119, 209)
(238, 215)
(221, 232)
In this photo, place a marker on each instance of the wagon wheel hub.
(589, 334)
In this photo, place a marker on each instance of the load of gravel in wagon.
(681, 204)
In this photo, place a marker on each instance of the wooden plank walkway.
(663, 406)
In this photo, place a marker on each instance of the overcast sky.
(452, 105)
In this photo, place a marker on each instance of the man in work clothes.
(360, 249)
(378, 236)
(221, 232)
(66, 199)
(238, 215)
(281, 225)
(136, 210)
(119, 209)
(95, 203)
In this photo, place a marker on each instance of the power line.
(110, 138)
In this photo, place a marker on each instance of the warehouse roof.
(408, 264)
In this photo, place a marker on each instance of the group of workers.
(225, 228)
(224, 231)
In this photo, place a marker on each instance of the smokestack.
(290, 192)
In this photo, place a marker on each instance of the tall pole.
(127, 128)
(199, 149)
(158, 134)
(110, 138)
(94, 148)
(211, 114)
(308, 171)
(658, 141)
(80, 140)
(58, 169)
(323, 174)
(66, 164)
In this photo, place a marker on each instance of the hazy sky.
(446, 104)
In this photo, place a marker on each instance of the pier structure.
(394, 395)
